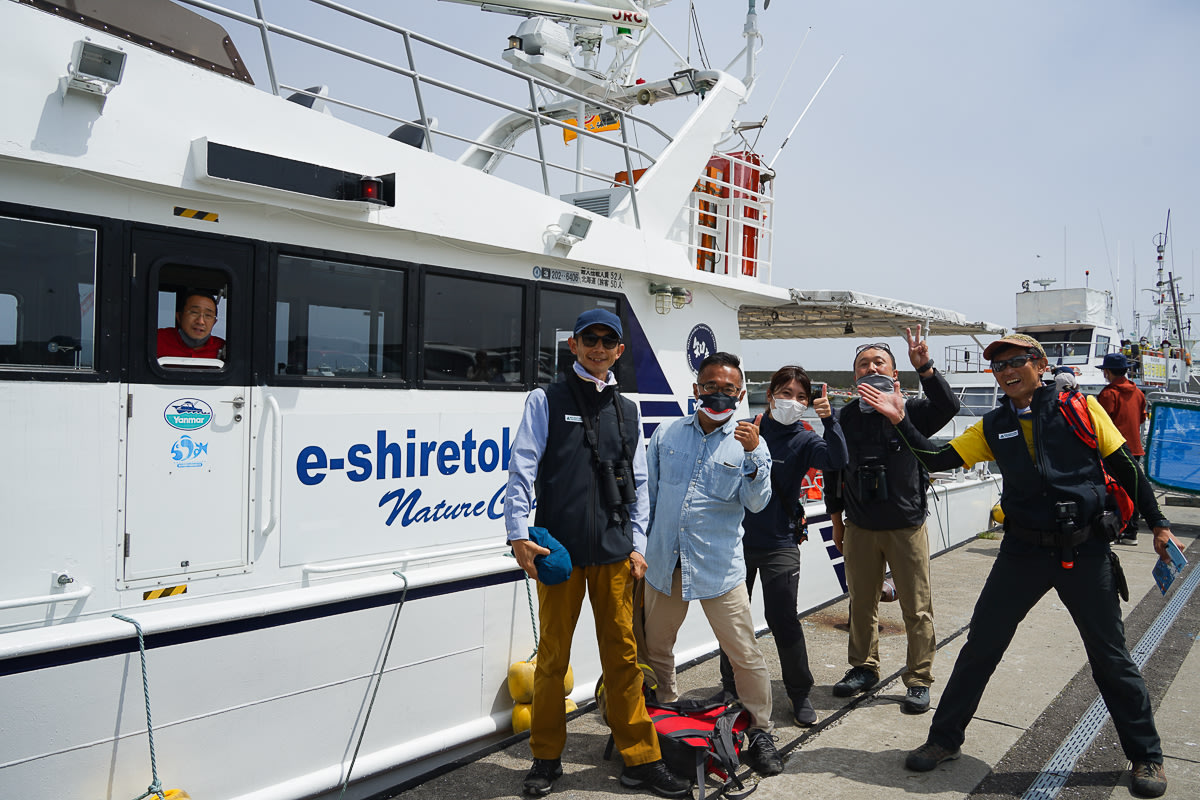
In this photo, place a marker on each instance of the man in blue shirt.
(704, 471)
(569, 433)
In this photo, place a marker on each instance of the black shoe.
(857, 679)
(1148, 779)
(541, 778)
(657, 778)
(724, 696)
(803, 713)
(760, 754)
(916, 701)
(928, 756)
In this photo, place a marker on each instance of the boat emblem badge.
(188, 414)
(701, 343)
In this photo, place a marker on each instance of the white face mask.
(785, 412)
(721, 417)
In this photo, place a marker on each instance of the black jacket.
(874, 443)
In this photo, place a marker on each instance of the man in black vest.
(580, 445)
(1057, 531)
(882, 495)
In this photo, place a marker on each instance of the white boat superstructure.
(307, 528)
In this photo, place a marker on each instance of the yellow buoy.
(997, 514)
(569, 681)
(520, 680)
(522, 717)
(571, 705)
(176, 794)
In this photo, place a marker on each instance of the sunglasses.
(1016, 362)
(609, 340)
(874, 346)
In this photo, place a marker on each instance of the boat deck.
(1027, 725)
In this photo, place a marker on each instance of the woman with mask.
(771, 544)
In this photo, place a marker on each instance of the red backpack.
(699, 738)
(1075, 409)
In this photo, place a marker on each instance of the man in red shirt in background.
(1126, 405)
(192, 335)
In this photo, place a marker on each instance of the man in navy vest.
(579, 446)
(1057, 531)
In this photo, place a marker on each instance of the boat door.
(187, 416)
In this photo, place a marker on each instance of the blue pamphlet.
(1165, 572)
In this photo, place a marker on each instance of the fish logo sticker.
(187, 452)
(188, 414)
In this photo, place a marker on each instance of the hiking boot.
(916, 701)
(803, 713)
(541, 778)
(928, 756)
(1148, 779)
(657, 778)
(856, 679)
(760, 754)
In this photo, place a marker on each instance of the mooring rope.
(155, 787)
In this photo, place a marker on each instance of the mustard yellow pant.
(609, 587)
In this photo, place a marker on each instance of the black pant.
(781, 581)
(1022, 574)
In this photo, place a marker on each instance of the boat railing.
(63, 580)
(965, 358)
(405, 560)
(386, 82)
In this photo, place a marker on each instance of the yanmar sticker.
(188, 414)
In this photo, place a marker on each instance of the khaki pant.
(610, 589)
(729, 617)
(867, 554)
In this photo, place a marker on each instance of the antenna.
(1045, 282)
(771, 163)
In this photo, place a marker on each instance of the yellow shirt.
(972, 446)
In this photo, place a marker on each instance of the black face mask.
(718, 403)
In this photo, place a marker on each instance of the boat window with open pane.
(47, 295)
(178, 285)
(473, 331)
(337, 320)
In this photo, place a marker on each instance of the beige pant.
(729, 617)
(867, 555)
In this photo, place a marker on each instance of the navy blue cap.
(598, 316)
(555, 567)
(1115, 361)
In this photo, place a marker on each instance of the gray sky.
(960, 147)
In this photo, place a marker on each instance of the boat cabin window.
(1073, 346)
(559, 310)
(473, 332)
(192, 307)
(47, 295)
(335, 320)
(978, 400)
(1102, 346)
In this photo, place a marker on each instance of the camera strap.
(589, 428)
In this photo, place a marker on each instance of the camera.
(1066, 513)
(872, 481)
(616, 483)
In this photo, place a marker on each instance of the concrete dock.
(1030, 712)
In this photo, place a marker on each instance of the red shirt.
(169, 344)
(1126, 405)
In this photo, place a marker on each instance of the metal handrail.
(324, 569)
(45, 599)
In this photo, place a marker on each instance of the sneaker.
(916, 701)
(856, 679)
(803, 713)
(1148, 779)
(657, 778)
(760, 755)
(928, 756)
(541, 778)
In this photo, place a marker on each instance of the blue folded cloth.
(555, 567)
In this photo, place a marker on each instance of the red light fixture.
(370, 190)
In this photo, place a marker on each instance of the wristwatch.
(1162, 523)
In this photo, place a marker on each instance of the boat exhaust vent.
(599, 201)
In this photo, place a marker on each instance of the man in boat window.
(704, 472)
(877, 506)
(1126, 405)
(192, 335)
(1057, 530)
(579, 444)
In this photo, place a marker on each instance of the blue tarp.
(1173, 447)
